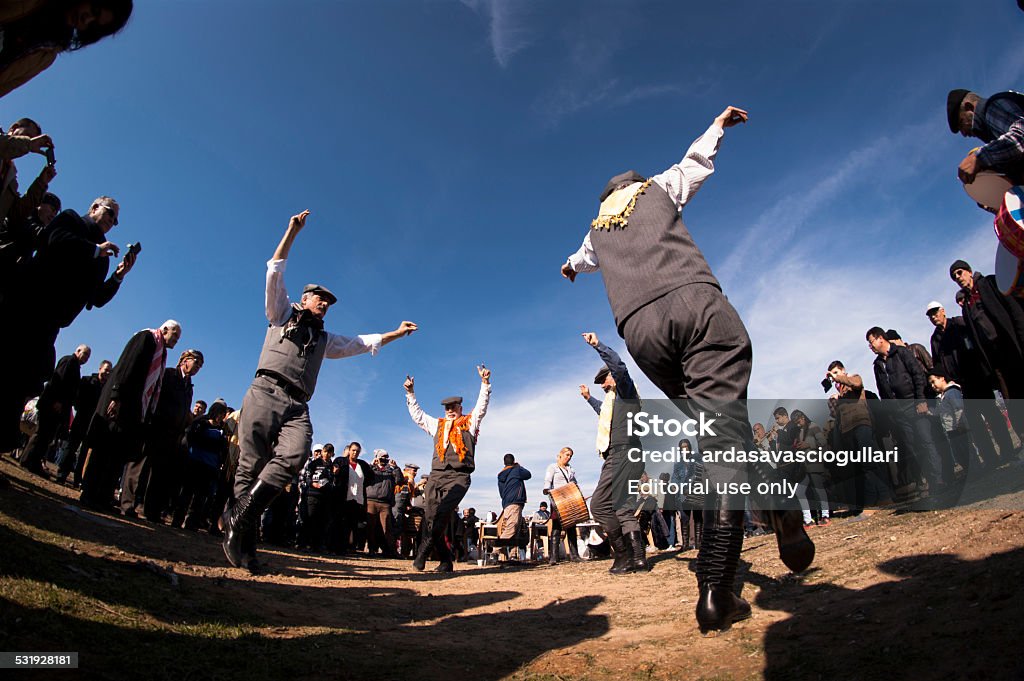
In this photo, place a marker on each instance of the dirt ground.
(927, 595)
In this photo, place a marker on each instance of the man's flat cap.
(454, 399)
(953, 101)
(600, 376)
(628, 177)
(321, 291)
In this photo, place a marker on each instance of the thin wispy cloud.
(508, 30)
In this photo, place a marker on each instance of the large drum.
(1008, 224)
(570, 504)
(1009, 272)
(988, 189)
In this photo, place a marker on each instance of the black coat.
(381, 485)
(62, 388)
(341, 477)
(67, 273)
(89, 389)
(899, 375)
(1007, 317)
(174, 408)
(956, 354)
(127, 381)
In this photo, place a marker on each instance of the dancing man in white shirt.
(454, 458)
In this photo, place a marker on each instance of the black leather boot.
(553, 543)
(444, 555)
(795, 548)
(639, 552)
(240, 523)
(419, 562)
(574, 549)
(719, 556)
(623, 563)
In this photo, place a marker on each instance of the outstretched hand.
(485, 374)
(585, 392)
(731, 116)
(409, 383)
(568, 272)
(591, 339)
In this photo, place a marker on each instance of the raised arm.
(482, 400)
(684, 179)
(427, 423)
(277, 303)
(624, 386)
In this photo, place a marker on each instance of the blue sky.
(451, 154)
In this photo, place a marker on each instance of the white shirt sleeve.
(549, 476)
(343, 346)
(585, 259)
(427, 423)
(480, 409)
(278, 305)
(682, 180)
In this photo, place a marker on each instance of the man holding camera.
(68, 274)
(275, 430)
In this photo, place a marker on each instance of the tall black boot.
(623, 563)
(574, 549)
(553, 543)
(795, 548)
(639, 552)
(240, 523)
(444, 555)
(684, 530)
(719, 554)
(698, 528)
(419, 562)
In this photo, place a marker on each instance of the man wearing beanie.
(995, 324)
(688, 339)
(998, 122)
(275, 432)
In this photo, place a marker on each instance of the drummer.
(999, 122)
(560, 474)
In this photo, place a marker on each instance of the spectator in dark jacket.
(350, 481)
(995, 323)
(380, 498)
(899, 377)
(127, 403)
(70, 274)
(155, 472)
(54, 407)
(956, 355)
(207, 450)
(89, 389)
(512, 488)
(316, 482)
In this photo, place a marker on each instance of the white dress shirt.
(680, 182)
(429, 423)
(279, 308)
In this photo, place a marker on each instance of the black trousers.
(444, 492)
(30, 346)
(197, 490)
(35, 451)
(612, 505)
(692, 345)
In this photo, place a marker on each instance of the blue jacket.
(512, 485)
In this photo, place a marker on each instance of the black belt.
(294, 392)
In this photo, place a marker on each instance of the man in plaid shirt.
(999, 122)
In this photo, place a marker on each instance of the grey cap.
(628, 177)
(321, 291)
(454, 399)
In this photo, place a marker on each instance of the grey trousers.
(693, 345)
(275, 436)
(612, 505)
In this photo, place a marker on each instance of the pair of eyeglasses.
(113, 212)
